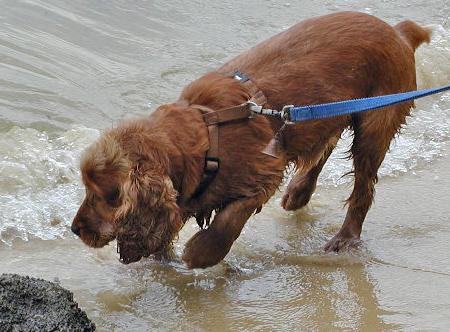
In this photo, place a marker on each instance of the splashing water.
(40, 187)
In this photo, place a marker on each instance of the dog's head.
(129, 196)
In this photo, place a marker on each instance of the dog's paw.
(206, 248)
(297, 195)
(341, 243)
(292, 201)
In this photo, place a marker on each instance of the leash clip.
(285, 113)
(258, 109)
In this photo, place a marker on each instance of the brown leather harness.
(213, 119)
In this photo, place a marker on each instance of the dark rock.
(31, 304)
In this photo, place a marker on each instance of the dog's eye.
(112, 197)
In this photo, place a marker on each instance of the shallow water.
(69, 69)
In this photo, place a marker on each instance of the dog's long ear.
(149, 217)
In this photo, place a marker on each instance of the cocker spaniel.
(145, 178)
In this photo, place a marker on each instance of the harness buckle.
(212, 165)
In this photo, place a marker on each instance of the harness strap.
(212, 155)
(213, 120)
(234, 113)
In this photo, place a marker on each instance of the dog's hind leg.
(209, 246)
(373, 132)
(302, 185)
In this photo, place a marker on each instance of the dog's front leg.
(209, 246)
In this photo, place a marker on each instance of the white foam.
(39, 184)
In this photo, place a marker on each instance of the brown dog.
(144, 178)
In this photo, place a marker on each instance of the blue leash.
(322, 111)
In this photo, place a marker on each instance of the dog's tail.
(413, 34)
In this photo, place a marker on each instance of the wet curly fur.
(129, 194)
(140, 231)
(141, 177)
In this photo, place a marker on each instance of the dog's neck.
(180, 132)
(215, 91)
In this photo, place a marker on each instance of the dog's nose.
(75, 230)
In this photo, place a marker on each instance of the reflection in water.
(301, 294)
(252, 291)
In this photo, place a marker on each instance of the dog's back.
(330, 58)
